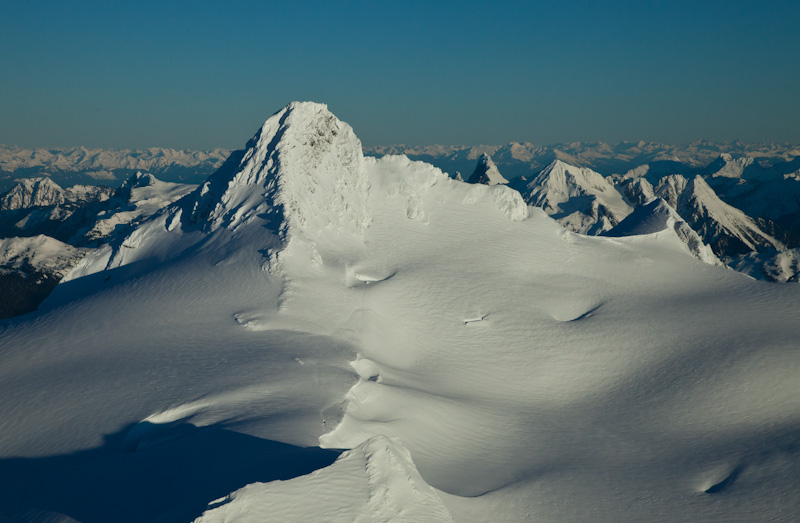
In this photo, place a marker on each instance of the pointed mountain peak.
(578, 197)
(486, 172)
(303, 169)
(558, 165)
(699, 187)
(560, 172)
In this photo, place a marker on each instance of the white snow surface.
(312, 296)
(376, 482)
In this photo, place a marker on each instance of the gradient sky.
(206, 74)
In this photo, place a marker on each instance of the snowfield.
(478, 361)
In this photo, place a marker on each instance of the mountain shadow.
(170, 481)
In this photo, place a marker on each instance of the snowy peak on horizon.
(577, 197)
(727, 166)
(486, 172)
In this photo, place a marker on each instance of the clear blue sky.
(203, 74)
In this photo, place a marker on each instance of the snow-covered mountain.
(450, 335)
(580, 199)
(32, 192)
(770, 191)
(139, 197)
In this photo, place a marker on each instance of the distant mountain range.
(520, 159)
(79, 165)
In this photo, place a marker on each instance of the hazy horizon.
(199, 75)
(423, 145)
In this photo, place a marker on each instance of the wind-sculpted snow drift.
(309, 295)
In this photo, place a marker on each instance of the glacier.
(475, 360)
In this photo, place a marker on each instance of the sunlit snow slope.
(308, 295)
